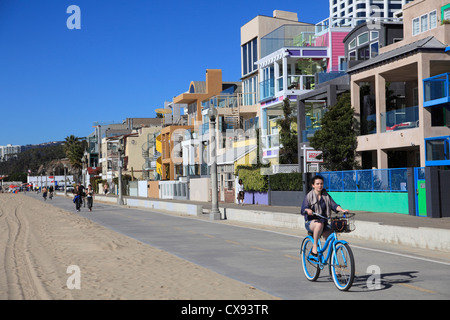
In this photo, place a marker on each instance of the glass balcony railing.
(289, 36)
(436, 90)
(266, 89)
(221, 101)
(400, 119)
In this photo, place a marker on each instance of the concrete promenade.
(393, 228)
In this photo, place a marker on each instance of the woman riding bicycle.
(320, 202)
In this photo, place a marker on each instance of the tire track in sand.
(22, 281)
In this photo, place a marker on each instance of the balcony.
(436, 91)
(289, 36)
(400, 119)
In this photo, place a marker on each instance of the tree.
(288, 137)
(337, 137)
(74, 150)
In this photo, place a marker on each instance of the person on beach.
(44, 193)
(90, 197)
(241, 193)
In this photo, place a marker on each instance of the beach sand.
(40, 243)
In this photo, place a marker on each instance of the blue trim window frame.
(436, 90)
(437, 151)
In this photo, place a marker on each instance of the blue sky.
(127, 59)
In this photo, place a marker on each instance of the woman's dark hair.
(313, 180)
(240, 180)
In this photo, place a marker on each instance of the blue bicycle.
(339, 257)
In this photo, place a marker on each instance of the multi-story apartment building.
(354, 12)
(288, 55)
(407, 84)
(9, 151)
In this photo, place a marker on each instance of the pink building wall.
(337, 48)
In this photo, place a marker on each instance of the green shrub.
(286, 182)
(253, 180)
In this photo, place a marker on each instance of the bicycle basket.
(342, 222)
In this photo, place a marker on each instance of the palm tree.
(74, 148)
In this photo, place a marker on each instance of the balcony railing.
(436, 90)
(288, 36)
(400, 119)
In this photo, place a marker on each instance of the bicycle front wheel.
(310, 268)
(342, 266)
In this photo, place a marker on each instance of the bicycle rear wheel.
(342, 266)
(310, 268)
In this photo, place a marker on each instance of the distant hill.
(37, 158)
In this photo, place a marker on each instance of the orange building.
(173, 135)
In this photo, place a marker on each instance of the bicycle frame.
(331, 241)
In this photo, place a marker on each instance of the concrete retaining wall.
(428, 238)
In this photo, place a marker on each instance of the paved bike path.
(265, 260)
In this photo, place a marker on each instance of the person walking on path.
(44, 193)
(90, 197)
(50, 191)
(241, 193)
(78, 198)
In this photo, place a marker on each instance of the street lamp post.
(120, 150)
(215, 213)
(65, 180)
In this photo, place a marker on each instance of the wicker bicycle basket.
(341, 222)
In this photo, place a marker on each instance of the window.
(352, 55)
(433, 19)
(352, 44)
(445, 12)
(424, 23)
(373, 49)
(437, 149)
(363, 53)
(373, 35)
(415, 26)
(363, 38)
(249, 56)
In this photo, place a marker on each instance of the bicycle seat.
(310, 233)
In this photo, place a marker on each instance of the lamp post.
(65, 180)
(120, 150)
(215, 213)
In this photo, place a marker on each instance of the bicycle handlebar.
(345, 215)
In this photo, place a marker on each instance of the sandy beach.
(47, 252)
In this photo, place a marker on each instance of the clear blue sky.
(127, 59)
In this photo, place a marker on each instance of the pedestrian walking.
(44, 193)
(78, 198)
(50, 192)
(241, 192)
(90, 197)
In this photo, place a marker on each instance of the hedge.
(253, 180)
(286, 182)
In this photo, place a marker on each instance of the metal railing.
(371, 180)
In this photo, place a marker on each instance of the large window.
(249, 56)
